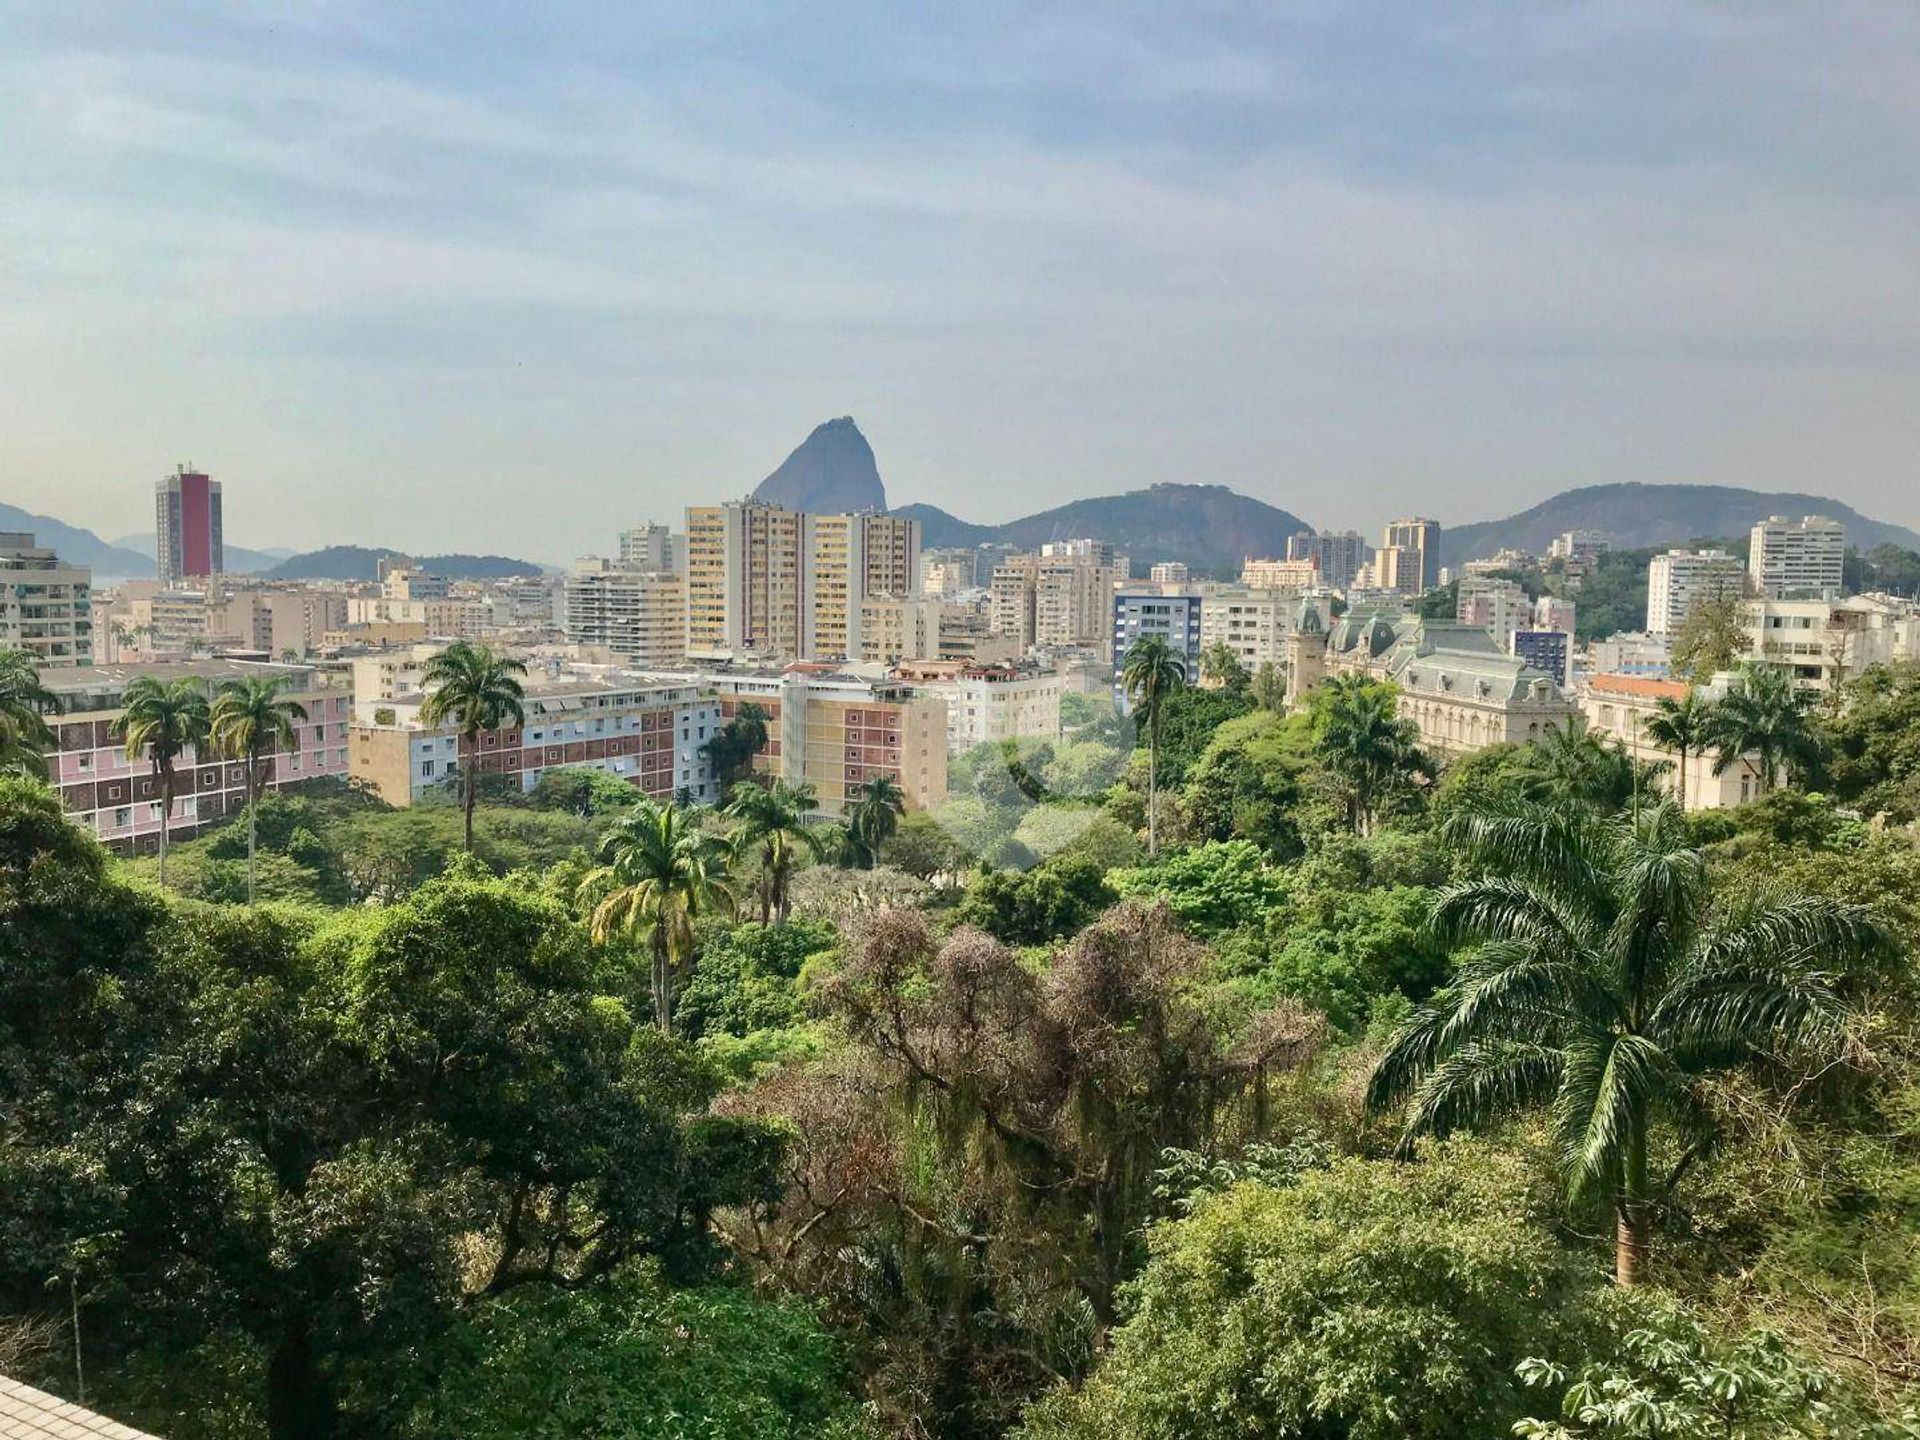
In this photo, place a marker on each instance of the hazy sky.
(510, 276)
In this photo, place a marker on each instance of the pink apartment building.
(119, 800)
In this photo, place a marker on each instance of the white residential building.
(46, 608)
(1680, 581)
(1799, 559)
(1825, 643)
(634, 615)
(1253, 624)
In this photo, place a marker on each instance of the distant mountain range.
(1633, 516)
(1208, 527)
(239, 559)
(831, 472)
(359, 562)
(77, 546)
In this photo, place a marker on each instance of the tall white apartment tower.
(1801, 559)
(1680, 581)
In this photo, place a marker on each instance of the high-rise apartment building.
(639, 616)
(46, 608)
(1059, 600)
(1680, 581)
(1498, 606)
(765, 580)
(744, 566)
(653, 547)
(1099, 552)
(1169, 572)
(1415, 567)
(1173, 618)
(1253, 624)
(1338, 557)
(186, 520)
(1798, 559)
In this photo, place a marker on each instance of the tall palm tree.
(249, 721)
(1683, 726)
(474, 690)
(1570, 762)
(24, 705)
(774, 817)
(163, 722)
(1149, 673)
(659, 873)
(1765, 716)
(1365, 743)
(874, 816)
(1606, 981)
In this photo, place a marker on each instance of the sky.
(510, 277)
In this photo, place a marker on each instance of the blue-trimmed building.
(1175, 618)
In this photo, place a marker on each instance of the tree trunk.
(1630, 1217)
(300, 1403)
(470, 791)
(166, 815)
(1153, 787)
(253, 807)
(662, 986)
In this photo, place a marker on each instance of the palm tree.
(1683, 726)
(474, 690)
(163, 722)
(1570, 762)
(250, 720)
(774, 817)
(1221, 668)
(1606, 982)
(1365, 743)
(1149, 673)
(1765, 716)
(874, 816)
(660, 872)
(25, 736)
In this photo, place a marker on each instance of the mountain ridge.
(359, 562)
(1209, 528)
(1636, 514)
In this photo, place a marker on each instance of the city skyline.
(388, 272)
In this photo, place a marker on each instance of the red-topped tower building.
(186, 517)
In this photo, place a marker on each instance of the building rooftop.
(1643, 686)
(30, 1414)
(112, 679)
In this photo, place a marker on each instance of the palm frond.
(1477, 1083)
(1611, 1083)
